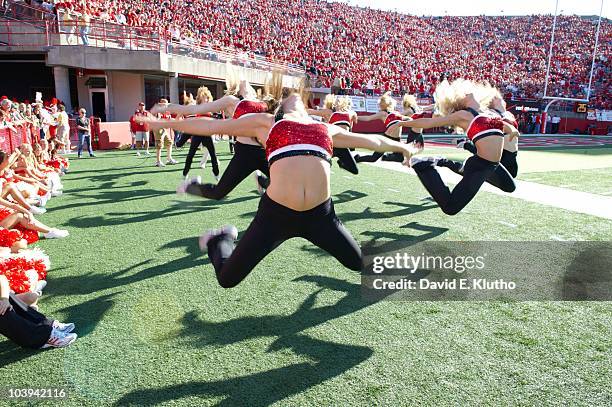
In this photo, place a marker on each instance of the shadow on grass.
(178, 208)
(11, 353)
(85, 316)
(91, 282)
(367, 213)
(329, 359)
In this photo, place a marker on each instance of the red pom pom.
(9, 237)
(14, 270)
(30, 235)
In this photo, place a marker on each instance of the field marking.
(558, 238)
(567, 186)
(568, 199)
(347, 177)
(510, 225)
(369, 183)
(393, 190)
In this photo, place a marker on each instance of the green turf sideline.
(156, 329)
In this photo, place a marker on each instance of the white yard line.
(393, 190)
(574, 201)
(369, 183)
(558, 238)
(510, 225)
(347, 177)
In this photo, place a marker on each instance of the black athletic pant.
(272, 225)
(193, 149)
(247, 158)
(508, 159)
(476, 171)
(25, 326)
(346, 160)
(414, 137)
(372, 158)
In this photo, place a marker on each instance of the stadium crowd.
(31, 136)
(388, 51)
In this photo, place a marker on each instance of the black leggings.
(508, 159)
(25, 326)
(193, 149)
(247, 158)
(372, 158)
(476, 171)
(346, 160)
(272, 225)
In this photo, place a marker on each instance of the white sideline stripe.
(393, 190)
(373, 184)
(568, 199)
(558, 238)
(347, 177)
(567, 186)
(510, 225)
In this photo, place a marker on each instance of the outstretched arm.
(188, 110)
(372, 117)
(346, 139)
(442, 121)
(324, 113)
(249, 125)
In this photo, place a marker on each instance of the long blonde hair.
(343, 104)
(275, 91)
(203, 94)
(409, 102)
(386, 102)
(329, 102)
(234, 81)
(450, 96)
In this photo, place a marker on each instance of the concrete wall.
(125, 90)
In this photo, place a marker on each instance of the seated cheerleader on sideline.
(26, 165)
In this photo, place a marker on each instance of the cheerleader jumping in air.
(249, 156)
(390, 117)
(510, 152)
(464, 105)
(297, 203)
(338, 111)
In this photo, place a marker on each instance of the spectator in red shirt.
(140, 131)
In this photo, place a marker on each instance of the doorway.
(99, 104)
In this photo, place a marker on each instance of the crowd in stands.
(30, 171)
(388, 51)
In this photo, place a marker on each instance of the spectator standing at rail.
(84, 26)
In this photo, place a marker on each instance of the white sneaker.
(56, 234)
(56, 193)
(182, 188)
(63, 328)
(260, 189)
(37, 211)
(59, 340)
(160, 164)
(171, 161)
(217, 178)
(137, 153)
(230, 230)
(44, 199)
(147, 153)
(202, 164)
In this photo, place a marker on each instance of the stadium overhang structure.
(134, 68)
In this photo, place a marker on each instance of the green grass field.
(155, 328)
